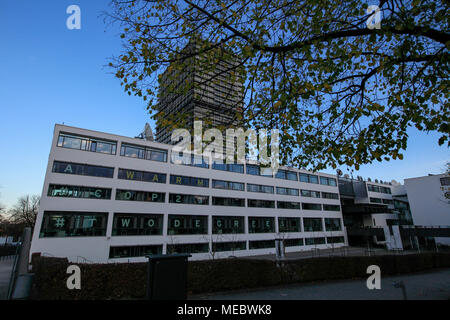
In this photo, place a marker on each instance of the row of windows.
(86, 144)
(72, 224)
(378, 189)
(231, 246)
(129, 174)
(148, 196)
(140, 152)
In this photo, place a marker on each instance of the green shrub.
(128, 280)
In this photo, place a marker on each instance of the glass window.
(261, 225)
(376, 200)
(139, 152)
(68, 191)
(444, 182)
(260, 203)
(82, 169)
(227, 225)
(288, 205)
(310, 193)
(289, 224)
(129, 174)
(314, 241)
(335, 240)
(188, 248)
(189, 181)
(232, 202)
(259, 188)
(261, 244)
(137, 224)
(311, 206)
(331, 207)
(333, 224)
(329, 195)
(253, 169)
(232, 167)
(134, 251)
(186, 224)
(313, 179)
(86, 144)
(312, 224)
(133, 195)
(293, 242)
(73, 224)
(229, 246)
(188, 199)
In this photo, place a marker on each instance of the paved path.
(6, 266)
(433, 285)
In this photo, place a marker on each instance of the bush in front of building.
(128, 280)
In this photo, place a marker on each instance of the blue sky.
(50, 74)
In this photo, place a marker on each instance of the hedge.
(128, 280)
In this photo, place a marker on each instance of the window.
(329, 195)
(309, 178)
(288, 205)
(376, 200)
(67, 191)
(134, 251)
(314, 241)
(189, 181)
(128, 174)
(261, 244)
(232, 167)
(72, 141)
(445, 181)
(259, 188)
(188, 248)
(259, 171)
(231, 202)
(260, 203)
(311, 206)
(335, 240)
(228, 185)
(333, 224)
(388, 201)
(293, 242)
(180, 224)
(226, 224)
(378, 189)
(229, 246)
(82, 169)
(286, 174)
(261, 225)
(310, 193)
(289, 224)
(73, 224)
(126, 224)
(328, 181)
(331, 207)
(133, 195)
(287, 191)
(193, 160)
(188, 199)
(139, 152)
(312, 224)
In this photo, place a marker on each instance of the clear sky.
(50, 74)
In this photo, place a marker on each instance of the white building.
(108, 198)
(429, 199)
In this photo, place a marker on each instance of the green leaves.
(343, 94)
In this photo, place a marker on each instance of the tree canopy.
(339, 91)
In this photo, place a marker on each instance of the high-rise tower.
(205, 86)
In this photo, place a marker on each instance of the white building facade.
(429, 200)
(108, 198)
